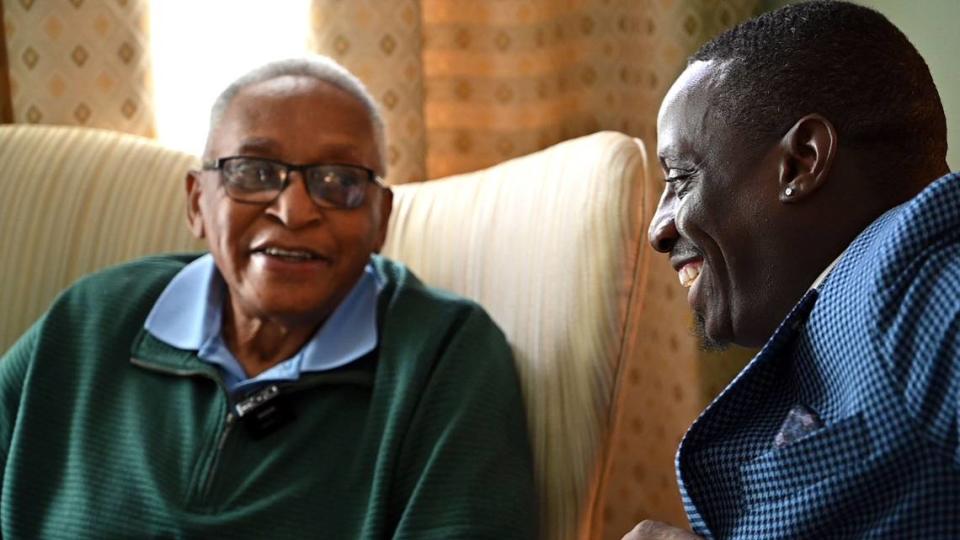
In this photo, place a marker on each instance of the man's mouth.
(689, 273)
(290, 254)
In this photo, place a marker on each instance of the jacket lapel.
(696, 462)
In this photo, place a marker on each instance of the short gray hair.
(321, 68)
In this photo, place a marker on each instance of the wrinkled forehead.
(297, 115)
(310, 99)
(686, 106)
(693, 86)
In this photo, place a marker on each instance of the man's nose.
(662, 233)
(294, 207)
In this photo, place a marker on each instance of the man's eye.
(340, 179)
(349, 180)
(263, 174)
(680, 180)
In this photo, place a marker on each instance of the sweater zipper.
(231, 419)
(228, 424)
(212, 474)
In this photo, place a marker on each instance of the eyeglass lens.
(261, 181)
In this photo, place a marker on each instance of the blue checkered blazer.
(875, 353)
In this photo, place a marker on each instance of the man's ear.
(386, 207)
(194, 214)
(809, 149)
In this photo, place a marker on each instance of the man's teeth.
(689, 273)
(288, 253)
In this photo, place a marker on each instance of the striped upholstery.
(551, 243)
(75, 200)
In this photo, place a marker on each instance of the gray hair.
(321, 68)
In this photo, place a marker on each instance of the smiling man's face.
(718, 216)
(290, 259)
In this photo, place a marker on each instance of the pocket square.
(800, 422)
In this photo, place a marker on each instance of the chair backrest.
(75, 200)
(552, 244)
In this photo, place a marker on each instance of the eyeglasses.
(261, 180)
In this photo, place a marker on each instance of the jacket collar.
(783, 337)
(731, 408)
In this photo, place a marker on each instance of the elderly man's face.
(297, 120)
(717, 214)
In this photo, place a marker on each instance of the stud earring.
(788, 192)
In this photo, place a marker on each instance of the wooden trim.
(6, 100)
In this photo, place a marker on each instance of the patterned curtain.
(78, 62)
(381, 42)
(466, 84)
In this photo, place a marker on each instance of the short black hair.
(841, 60)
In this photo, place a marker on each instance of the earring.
(788, 192)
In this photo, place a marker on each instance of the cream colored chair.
(551, 243)
(76, 200)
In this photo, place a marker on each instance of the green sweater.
(107, 432)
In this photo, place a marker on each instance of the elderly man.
(289, 383)
(803, 210)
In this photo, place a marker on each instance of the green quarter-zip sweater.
(106, 432)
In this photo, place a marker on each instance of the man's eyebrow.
(266, 146)
(670, 158)
(665, 156)
(257, 145)
(343, 149)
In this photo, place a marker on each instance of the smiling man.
(288, 384)
(808, 209)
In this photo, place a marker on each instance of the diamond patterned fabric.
(466, 85)
(79, 62)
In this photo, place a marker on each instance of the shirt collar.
(823, 275)
(187, 315)
(826, 272)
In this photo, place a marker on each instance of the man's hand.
(654, 530)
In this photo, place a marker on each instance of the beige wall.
(931, 26)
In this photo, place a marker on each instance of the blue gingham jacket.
(875, 353)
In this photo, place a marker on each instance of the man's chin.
(707, 343)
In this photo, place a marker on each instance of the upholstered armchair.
(552, 244)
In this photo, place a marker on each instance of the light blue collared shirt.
(188, 315)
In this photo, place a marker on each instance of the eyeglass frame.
(217, 165)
